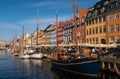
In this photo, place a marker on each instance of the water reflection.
(108, 75)
(11, 67)
(66, 75)
(36, 62)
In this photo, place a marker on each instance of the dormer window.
(105, 3)
(102, 10)
(113, 5)
(98, 6)
(89, 14)
(92, 9)
(95, 12)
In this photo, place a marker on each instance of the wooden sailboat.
(37, 54)
(16, 49)
(23, 54)
(77, 63)
(30, 49)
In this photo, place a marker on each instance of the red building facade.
(60, 33)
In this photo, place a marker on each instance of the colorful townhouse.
(60, 33)
(96, 24)
(113, 21)
(43, 39)
(81, 26)
(36, 36)
(50, 33)
(68, 32)
(26, 39)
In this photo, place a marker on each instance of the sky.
(16, 13)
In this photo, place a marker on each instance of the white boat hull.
(37, 56)
(31, 51)
(24, 56)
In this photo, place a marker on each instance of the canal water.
(12, 67)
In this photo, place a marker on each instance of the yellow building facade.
(96, 30)
(103, 23)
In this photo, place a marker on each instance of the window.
(117, 15)
(96, 20)
(111, 28)
(70, 38)
(113, 5)
(118, 39)
(92, 21)
(102, 10)
(90, 40)
(100, 19)
(87, 40)
(106, 2)
(92, 30)
(87, 32)
(100, 29)
(96, 30)
(111, 40)
(89, 22)
(70, 30)
(93, 40)
(110, 17)
(89, 14)
(104, 19)
(117, 27)
(96, 40)
(104, 28)
(98, 6)
(95, 12)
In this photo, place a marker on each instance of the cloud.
(7, 25)
(7, 30)
(61, 4)
(51, 4)
(44, 20)
(45, 3)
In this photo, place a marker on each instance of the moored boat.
(24, 56)
(15, 54)
(36, 56)
(84, 65)
(23, 53)
(30, 50)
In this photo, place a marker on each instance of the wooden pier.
(110, 64)
(110, 61)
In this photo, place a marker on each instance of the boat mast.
(75, 25)
(31, 39)
(23, 39)
(37, 27)
(57, 29)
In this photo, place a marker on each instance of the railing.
(111, 61)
